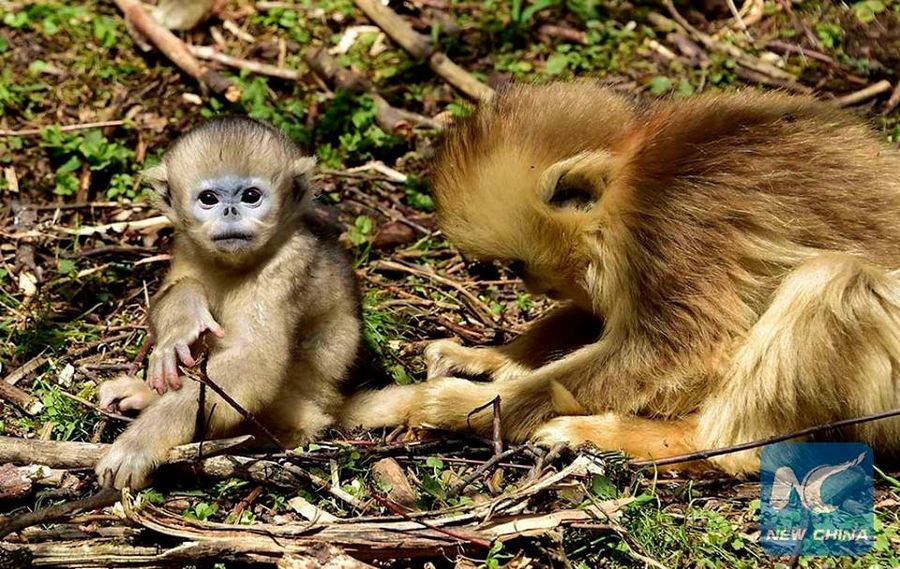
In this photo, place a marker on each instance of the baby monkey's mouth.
(232, 241)
(233, 236)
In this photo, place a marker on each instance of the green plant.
(202, 511)
(521, 14)
(92, 150)
(867, 10)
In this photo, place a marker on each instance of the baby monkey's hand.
(175, 343)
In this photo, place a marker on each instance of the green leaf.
(603, 488)
(154, 497)
(529, 12)
(830, 34)
(38, 66)
(361, 230)
(867, 10)
(72, 164)
(556, 64)
(66, 266)
(659, 85)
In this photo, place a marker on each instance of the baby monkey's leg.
(242, 371)
(549, 338)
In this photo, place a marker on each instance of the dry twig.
(420, 47)
(63, 128)
(865, 94)
(776, 75)
(176, 50)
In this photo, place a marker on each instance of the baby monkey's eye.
(251, 196)
(208, 198)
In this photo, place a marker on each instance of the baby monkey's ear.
(576, 182)
(157, 177)
(301, 173)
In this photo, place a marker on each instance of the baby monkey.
(253, 268)
(729, 267)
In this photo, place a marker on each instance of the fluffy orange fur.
(731, 259)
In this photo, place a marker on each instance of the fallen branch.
(149, 224)
(101, 499)
(363, 540)
(709, 453)
(420, 47)
(893, 101)
(67, 454)
(21, 399)
(176, 50)
(331, 558)
(212, 54)
(742, 58)
(63, 128)
(865, 94)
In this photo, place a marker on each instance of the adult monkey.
(739, 252)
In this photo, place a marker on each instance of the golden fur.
(739, 252)
(289, 309)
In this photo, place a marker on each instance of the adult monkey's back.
(741, 252)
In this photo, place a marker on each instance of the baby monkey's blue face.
(232, 210)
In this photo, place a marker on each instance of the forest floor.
(81, 251)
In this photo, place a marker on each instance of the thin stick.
(97, 409)
(498, 438)
(704, 454)
(865, 94)
(103, 498)
(397, 510)
(141, 355)
(478, 307)
(420, 47)
(63, 128)
(204, 378)
(210, 53)
(893, 101)
(483, 468)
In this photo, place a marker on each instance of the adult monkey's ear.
(577, 182)
(301, 172)
(157, 177)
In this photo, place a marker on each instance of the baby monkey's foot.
(446, 357)
(125, 394)
(175, 344)
(128, 463)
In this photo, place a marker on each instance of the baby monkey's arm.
(177, 319)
